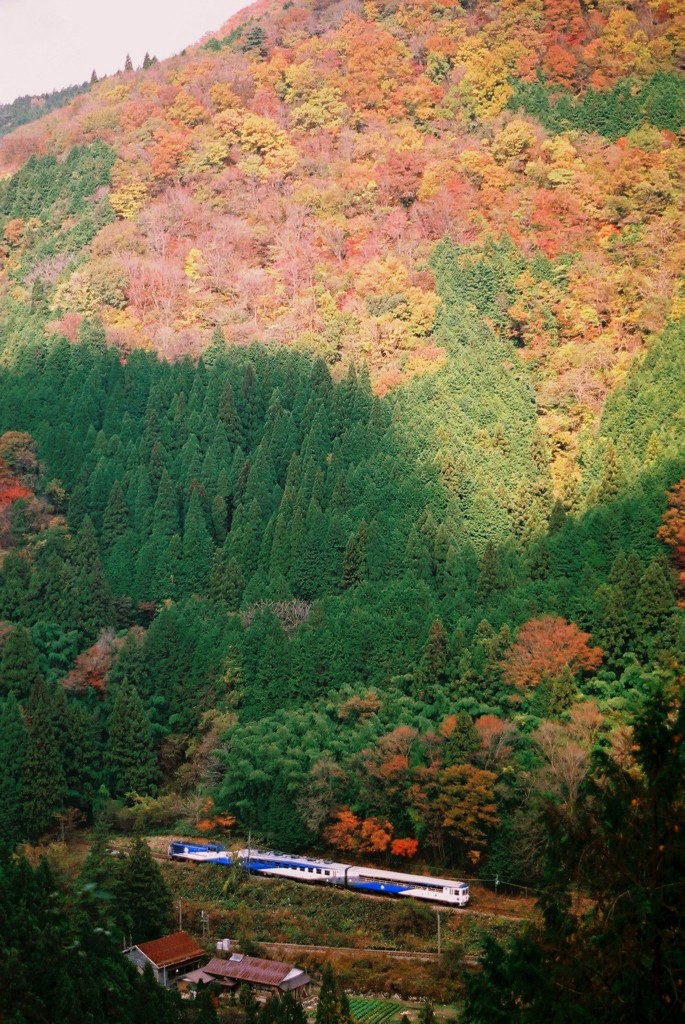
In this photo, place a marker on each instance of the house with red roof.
(169, 957)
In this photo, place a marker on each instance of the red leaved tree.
(544, 648)
(404, 848)
(10, 488)
(358, 835)
(342, 834)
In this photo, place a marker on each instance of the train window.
(326, 872)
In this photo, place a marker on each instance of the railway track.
(290, 949)
(500, 911)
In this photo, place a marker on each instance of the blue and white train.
(327, 872)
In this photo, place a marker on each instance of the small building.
(265, 977)
(169, 957)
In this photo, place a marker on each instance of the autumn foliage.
(10, 488)
(404, 848)
(672, 530)
(92, 666)
(311, 175)
(467, 805)
(544, 648)
(214, 822)
(351, 834)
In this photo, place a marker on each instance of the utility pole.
(204, 918)
(180, 915)
(437, 914)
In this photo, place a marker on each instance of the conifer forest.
(342, 495)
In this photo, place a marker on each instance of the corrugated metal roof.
(171, 949)
(254, 970)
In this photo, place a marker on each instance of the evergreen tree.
(13, 744)
(217, 349)
(165, 522)
(613, 632)
(355, 560)
(227, 582)
(613, 478)
(128, 63)
(92, 334)
(115, 522)
(81, 755)
(40, 919)
(198, 548)
(228, 415)
(427, 1014)
(249, 1004)
(100, 869)
(435, 657)
(169, 575)
(19, 666)
(94, 605)
(130, 757)
(554, 696)
(255, 38)
(491, 578)
(146, 898)
(205, 1008)
(14, 584)
(654, 604)
(463, 742)
(330, 1009)
(44, 781)
(219, 516)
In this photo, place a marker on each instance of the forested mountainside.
(289, 179)
(342, 497)
(25, 109)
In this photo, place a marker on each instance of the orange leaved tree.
(672, 530)
(404, 848)
(358, 835)
(547, 647)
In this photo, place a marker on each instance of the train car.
(419, 887)
(286, 865)
(447, 891)
(200, 853)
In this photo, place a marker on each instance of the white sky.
(49, 44)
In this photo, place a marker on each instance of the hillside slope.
(289, 179)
